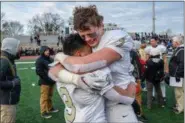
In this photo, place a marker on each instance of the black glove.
(177, 79)
(167, 79)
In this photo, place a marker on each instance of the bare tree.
(47, 23)
(12, 28)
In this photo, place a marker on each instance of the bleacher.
(50, 40)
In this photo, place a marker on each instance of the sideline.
(24, 62)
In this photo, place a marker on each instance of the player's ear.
(77, 53)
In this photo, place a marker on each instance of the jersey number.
(69, 114)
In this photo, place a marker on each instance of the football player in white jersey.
(111, 48)
(74, 45)
(155, 49)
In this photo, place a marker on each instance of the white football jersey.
(122, 43)
(159, 50)
(121, 70)
(83, 106)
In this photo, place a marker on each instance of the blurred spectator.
(176, 69)
(31, 40)
(156, 64)
(46, 84)
(10, 83)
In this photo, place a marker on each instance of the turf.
(28, 109)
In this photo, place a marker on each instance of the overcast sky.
(134, 16)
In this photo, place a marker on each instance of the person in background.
(31, 40)
(137, 73)
(176, 69)
(45, 82)
(10, 83)
(142, 51)
(156, 65)
(162, 84)
(143, 63)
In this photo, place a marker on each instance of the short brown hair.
(84, 17)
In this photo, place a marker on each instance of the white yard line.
(24, 62)
(22, 68)
(33, 68)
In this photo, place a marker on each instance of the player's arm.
(164, 57)
(166, 69)
(113, 50)
(91, 62)
(94, 81)
(115, 94)
(147, 56)
(130, 91)
(147, 51)
(62, 75)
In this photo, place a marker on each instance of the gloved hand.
(177, 79)
(81, 83)
(96, 82)
(167, 79)
(67, 77)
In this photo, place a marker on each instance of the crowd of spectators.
(35, 51)
(145, 37)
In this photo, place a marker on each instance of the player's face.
(153, 42)
(92, 36)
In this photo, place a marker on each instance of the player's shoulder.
(117, 32)
(148, 48)
(137, 44)
(113, 37)
(114, 34)
(162, 48)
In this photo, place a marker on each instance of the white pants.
(121, 113)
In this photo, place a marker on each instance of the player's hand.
(60, 57)
(84, 86)
(55, 70)
(131, 89)
(52, 77)
(96, 82)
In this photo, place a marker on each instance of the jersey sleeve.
(163, 49)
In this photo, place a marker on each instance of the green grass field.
(28, 109)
